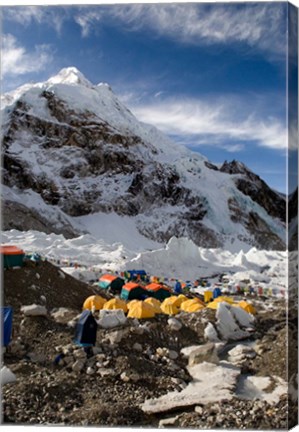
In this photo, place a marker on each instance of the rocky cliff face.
(71, 149)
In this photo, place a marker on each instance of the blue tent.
(135, 273)
(6, 323)
(178, 288)
(86, 329)
(216, 292)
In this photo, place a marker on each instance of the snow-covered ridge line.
(180, 258)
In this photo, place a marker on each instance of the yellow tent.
(248, 307)
(176, 300)
(213, 305)
(181, 298)
(169, 306)
(116, 303)
(192, 305)
(208, 295)
(140, 310)
(154, 303)
(94, 302)
(224, 299)
(131, 303)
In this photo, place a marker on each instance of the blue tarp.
(6, 323)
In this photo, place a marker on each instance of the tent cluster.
(133, 289)
(248, 307)
(149, 307)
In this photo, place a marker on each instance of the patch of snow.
(254, 387)
(211, 383)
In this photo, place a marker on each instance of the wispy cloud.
(217, 123)
(88, 19)
(262, 26)
(15, 60)
(43, 15)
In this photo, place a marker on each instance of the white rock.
(90, 371)
(198, 409)
(205, 353)
(37, 275)
(170, 421)
(240, 354)
(124, 377)
(7, 376)
(34, 310)
(243, 318)
(210, 333)
(188, 350)
(162, 352)
(226, 324)
(116, 336)
(111, 318)
(62, 315)
(106, 372)
(43, 298)
(174, 324)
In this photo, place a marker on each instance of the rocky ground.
(131, 363)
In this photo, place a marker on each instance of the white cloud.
(259, 25)
(88, 20)
(217, 123)
(15, 60)
(43, 15)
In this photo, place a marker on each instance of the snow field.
(116, 245)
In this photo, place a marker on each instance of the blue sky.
(211, 76)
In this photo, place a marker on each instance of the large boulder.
(34, 310)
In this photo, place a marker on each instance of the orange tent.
(158, 290)
(12, 256)
(10, 250)
(108, 277)
(132, 290)
(154, 286)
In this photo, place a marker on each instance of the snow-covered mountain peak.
(70, 75)
(104, 85)
(76, 150)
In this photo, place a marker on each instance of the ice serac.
(72, 149)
